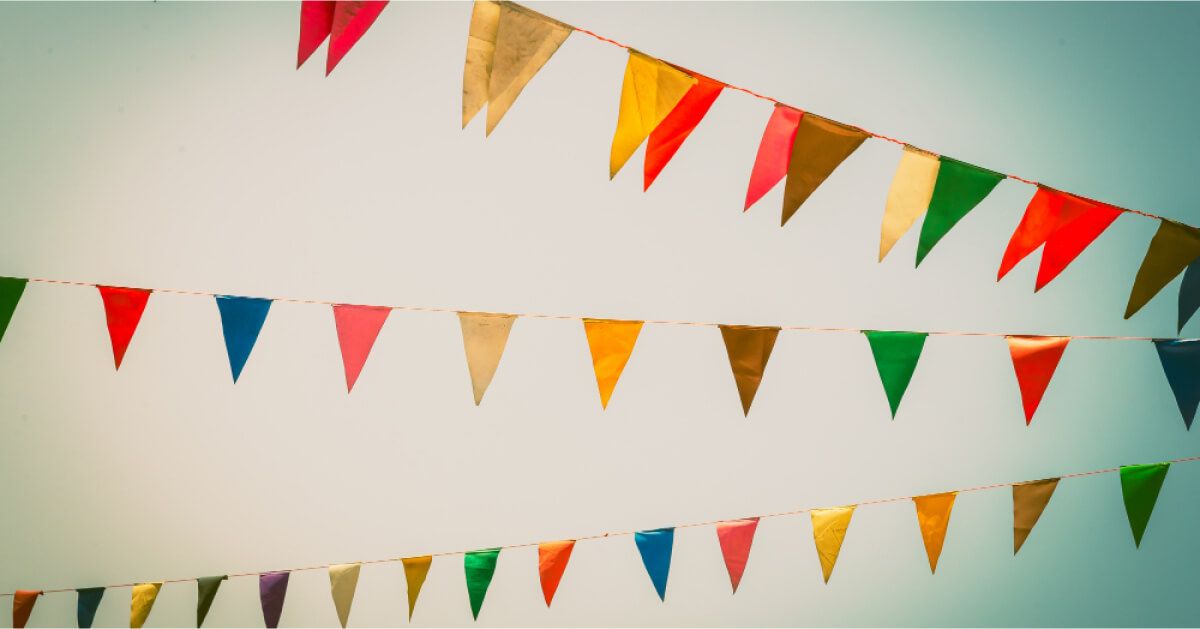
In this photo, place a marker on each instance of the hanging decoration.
(479, 566)
(1029, 501)
(735, 538)
(206, 592)
(86, 606)
(484, 337)
(933, 517)
(1034, 359)
(611, 343)
(1181, 364)
(1140, 485)
(144, 595)
(749, 349)
(415, 571)
(342, 22)
(829, 531)
(896, 355)
(272, 589)
(552, 562)
(242, 319)
(357, 329)
(655, 547)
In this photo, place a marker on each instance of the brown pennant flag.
(1029, 500)
(820, 146)
(749, 349)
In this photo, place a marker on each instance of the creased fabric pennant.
(909, 195)
(481, 53)
(655, 547)
(1029, 501)
(820, 146)
(611, 343)
(22, 606)
(123, 308)
(1071, 238)
(272, 589)
(357, 328)
(1172, 249)
(552, 562)
(480, 567)
(1140, 485)
(11, 289)
(736, 537)
(749, 349)
(1189, 293)
(1064, 223)
(206, 593)
(415, 571)
(86, 606)
(649, 92)
(485, 336)
(668, 136)
(1181, 364)
(896, 355)
(351, 19)
(242, 319)
(829, 531)
(144, 595)
(959, 188)
(316, 22)
(1034, 360)
(774, 152)
(343, 580)
(933, 516)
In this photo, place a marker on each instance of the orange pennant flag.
(23, 602)
(820, 146)
(933, 516)
(552, 562)
(749, 349)
(1034, 359)
(736, 537)
(611, 343)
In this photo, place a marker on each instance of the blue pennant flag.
(655, 547)
(1181, 362)
(241, 319)
(89, 600)
(1189, 293)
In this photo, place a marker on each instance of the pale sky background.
(175, 145)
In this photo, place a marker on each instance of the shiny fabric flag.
(736, 538)
(480, 566)
(11, 289)
(507, 44)
(774, 152)
(357, 328)
(272, 589)
(909, 195)
(1140, 485)
(343, 580)
(611, 343)
(1034, 360)
(896, 355)
(123, 308)
(933, 516)
(342, 22)
(1189, 294)
(960, 187)
(655, 548)
(829, 531)
(144, 595)
(1181, 364)
(415, 571)
(22, 606)
(1029, 501)
(86, 606)
(820, 146)
(1064, 223)
(552, 562)
(206, 592)
(650, 90)
(749, 349)
(484, 337)
(1173, 248)
(241, 320)
(668, 136)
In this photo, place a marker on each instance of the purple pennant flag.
(272, 587)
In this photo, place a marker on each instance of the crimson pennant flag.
(123, 308)
(343, 22)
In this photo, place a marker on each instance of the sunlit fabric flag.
(749, 349)
(206, 592)
(1029, 500)
(343, 580)
(650, 90)
(896, 355)
(611, 342)
(736, 537)
(506, 45)
(1034, 360)
(1064, 223)
(960, 187)
(1140, 485)
(774, 152)
(552, 562)
(668, 136)
(241, 320)
(23, 602)
(144, 595)
(1172, 249)
(415, 571)
(11, 289)
(820, 146)
(1189, 294)
(484, 337)
(123, 308)
(272, 589)
(933, 516)
(909, 195)
(86, 606)
(1181, 364)
(480, 566)
(655, 548)
(829, 531)
(357, 329)
(343, 23)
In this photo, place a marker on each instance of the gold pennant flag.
(611, 342)
(649, 92)
(819, 147)
(1029, 500)
(343, 580)
(1172, 249)
(484, 338)
(829, 531)
(933, 515)
(144, 595)
(908, 198)
(749, 349)
(415, 571)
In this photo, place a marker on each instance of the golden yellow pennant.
(143, 600)
(649, 92)
(611, 343)
(933, 516)
(829, 531)
(415, 571)
(908, 198)
(484, 338)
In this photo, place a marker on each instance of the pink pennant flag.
(357, 329)
(774, 152)
(736, 538)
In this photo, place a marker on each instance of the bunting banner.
(343, 580)
(272, 589)
(23, 602)
(933, 516)
(357, 329)
(749, 349)
(552, 562)
(206, 593)
(611, 344)
(123, 308)
(484, 338)
(736, 538)
(480, 567)
(242, 319)
(896, 355)
(1029, 501)
(1181, 364)
(1034, 360)
(655, 547)
(86, 606)
(415, 571)
(144, 595)
(829, 531)
(1140, 485)
(342, 22)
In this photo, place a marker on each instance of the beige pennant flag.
(415, 571)
(650, 90)
(820, 146)
(144, 595)
(343, 580)
(829, 531)
(933, 515)
(484, 337)
(749, 349)
(611, 342)
(1029, 501)
(908, 198)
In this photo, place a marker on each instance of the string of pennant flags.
(1140, 488)
(611, 343)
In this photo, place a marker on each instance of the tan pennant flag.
(415, 571)
(908, 198)
(829, 531)
(611, 343)
(650, 90)
(933, 515)
(1029, 500)
(1172, 249)
(484, 338)
(820, 146)
(343, 580)
(749, 349)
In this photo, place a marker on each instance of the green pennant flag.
(206, 591)
(1140, 485)
(896, 355)
(959, 188)
(1172, 249)
(10, 293)
(479, 565)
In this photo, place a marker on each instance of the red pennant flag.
(316, 22)
(552, 562)
(736, 538)
(669, 135)
(1034, 359)
(123, 308)
(774, 152)
(1064, 223)
(357, 329)
(351, 19)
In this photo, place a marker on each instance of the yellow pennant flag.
(143, 600)
(908, 198)
(343, 580)
(749, 349)
(611, 343)
(649, 92)
(829, 531)
(484, 338)
(415, 571)
(820, 146)
(933, 515)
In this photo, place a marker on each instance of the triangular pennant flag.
(774, 152)
(1173, 248)
(650, 90)
(123, 308)
(736, 538)
(960, 187)
(11, 289)
(933, 516)
(206, 592)
(667, 137)
(316, 21)
(1189, 294)
(820, 146)
(909, 195)
(611, 342)
(484, 337)
(896, 355)
(655, 547)
(480, 566)
(415, 571)
(1034, 360)
(1071, 238)
(552, 562)
(357, 329)
(1064, 223)
(1181, 364)
(1140, 485)
(829, 531)
(272, 589)
(1029, 500)
(481, 52)
(351, 19)
(749, 349)
(85, 608)
(241, 320)
(142, 602)
(343, 580)
(23, 602)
